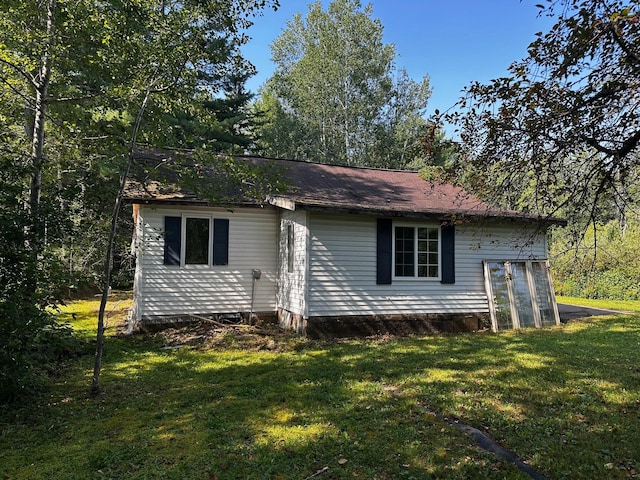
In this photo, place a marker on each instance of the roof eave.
(194, 202)
(448, 216)
(287, 203)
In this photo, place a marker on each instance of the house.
(338, 250)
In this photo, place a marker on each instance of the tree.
(400, 136)
(332, 97)
(186, 45)
(82, 83)
(221, 123)
(561, 133)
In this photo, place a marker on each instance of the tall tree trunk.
(106, 279)
(40, 111)
(40, 83)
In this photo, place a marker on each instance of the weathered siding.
(292, 285)
(200, 289)
(342, 269)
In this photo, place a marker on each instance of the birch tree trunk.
(41, 87)
(106, 279)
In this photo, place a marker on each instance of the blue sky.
(453, 43)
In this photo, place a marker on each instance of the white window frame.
(183, 241)
(415, 277)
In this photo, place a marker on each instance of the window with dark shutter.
(384, 251)
(220, 241)
(448, 239)
(172, 240)
(200, 246)
(416, 251)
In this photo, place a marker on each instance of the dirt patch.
(367, 326)
(206, 335)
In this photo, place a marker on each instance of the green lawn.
(624, 305)
(565, 399)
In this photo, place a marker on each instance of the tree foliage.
(599, 262)
(560, 134)
(79, 83)
(333, 97)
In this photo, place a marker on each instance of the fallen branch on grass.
(322, 470)
(489, 445)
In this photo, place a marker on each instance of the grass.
(623, 305)
(566, 400)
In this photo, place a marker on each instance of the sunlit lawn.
(566, 400)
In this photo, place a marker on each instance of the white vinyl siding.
(199, 289)
(342, 269)
(334, 268)
(292, 284)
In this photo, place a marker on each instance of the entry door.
(520, 294)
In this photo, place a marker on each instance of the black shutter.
(384, 251)
(448, 239)
(172, 240)
(220, 241)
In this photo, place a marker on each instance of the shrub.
(32, 345)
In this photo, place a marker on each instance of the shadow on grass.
(565, 400)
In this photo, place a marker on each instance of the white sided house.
(341, 251)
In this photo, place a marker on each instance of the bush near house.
(248, 402)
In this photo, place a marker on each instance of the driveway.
(570, 312)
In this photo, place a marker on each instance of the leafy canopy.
(73, 78)
(333, 97)
(561, 133)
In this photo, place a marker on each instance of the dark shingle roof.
(342, 189)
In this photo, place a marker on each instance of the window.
(411, 251)
(416, 251)
(290, 247)
(196, 240)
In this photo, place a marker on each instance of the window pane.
(522, 294)
(543, 293)
(427, 254)
(197, 241)
(498, 278)
(405, 251)
(416, 252)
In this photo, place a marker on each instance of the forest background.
(85, 85)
